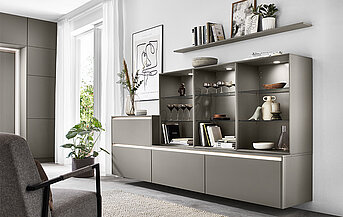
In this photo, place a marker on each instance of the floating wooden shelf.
(287, 28)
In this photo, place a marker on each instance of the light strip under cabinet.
(209, 153)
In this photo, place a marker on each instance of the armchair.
(22, 193)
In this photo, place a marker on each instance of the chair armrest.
(46, 186)
(62, 177)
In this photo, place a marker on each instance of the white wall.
(322, 42)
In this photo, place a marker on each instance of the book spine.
(200, 35)
(196, 36)
(204, 35)
(208, 33)
(193, 37)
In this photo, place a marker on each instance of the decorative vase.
(130, 105)
(267, 107)
(268, 23)
(79, 163)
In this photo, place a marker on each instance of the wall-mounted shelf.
(287, 28)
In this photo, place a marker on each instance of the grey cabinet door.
(7, 86)
(42, 33)
(13, 29)
(41, 62)
(40, 97)
(132, 131)
(41, 138)
(250, 180)
(181, 170)
(131, 163)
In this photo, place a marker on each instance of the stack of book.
(182, 141)
(211, 32)
(170, 132)
(211, 136)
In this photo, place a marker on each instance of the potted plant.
(131, 85)
(268, 14)
(84, 136)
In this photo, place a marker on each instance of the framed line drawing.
(241, 11)
(147, 59)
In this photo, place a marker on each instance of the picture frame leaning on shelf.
(241, 15)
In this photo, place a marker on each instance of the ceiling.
(49, 10)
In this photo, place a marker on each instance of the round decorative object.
(263, 145)
(79, 163)
(204, 61)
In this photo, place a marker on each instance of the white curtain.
(111, 92)
(67, 109)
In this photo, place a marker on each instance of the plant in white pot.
(84, 136)
(268, 14)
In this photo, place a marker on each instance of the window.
(87, 53)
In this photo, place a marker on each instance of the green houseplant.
(268, 14)
(84, 136)
(131, 85)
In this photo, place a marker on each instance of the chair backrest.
(17, 171)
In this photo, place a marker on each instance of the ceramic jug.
(267, 107)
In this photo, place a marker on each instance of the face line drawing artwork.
(147, 55)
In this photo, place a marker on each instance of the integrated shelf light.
(276, 62)
(229, 68)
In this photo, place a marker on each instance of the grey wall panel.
(13, 29)
(256, 181)
(41, 137)
(41, 62)
(132, 163)
(7, 92)
(41, 97)
(42, 33)
(181, 170)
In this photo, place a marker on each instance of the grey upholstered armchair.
(22, 193)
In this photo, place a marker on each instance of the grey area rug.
(119, 203)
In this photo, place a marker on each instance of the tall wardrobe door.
(7, 92)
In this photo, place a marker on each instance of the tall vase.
(130, 104)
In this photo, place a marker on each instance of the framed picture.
(251, 24)
(241, 11)
(147, 59)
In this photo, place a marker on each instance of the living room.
(70, 69)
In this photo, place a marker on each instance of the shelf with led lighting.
(278, 30)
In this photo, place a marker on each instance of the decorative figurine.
(257, 115)
(182, 90)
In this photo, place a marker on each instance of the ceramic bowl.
(274, 86)
(263, 145)
(204, 61)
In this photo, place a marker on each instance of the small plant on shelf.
(268, 14)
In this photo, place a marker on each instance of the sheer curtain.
(67, 108)
(111, 92)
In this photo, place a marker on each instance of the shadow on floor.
(228, 202)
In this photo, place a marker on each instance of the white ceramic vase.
(268, 23)
(267, 107)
